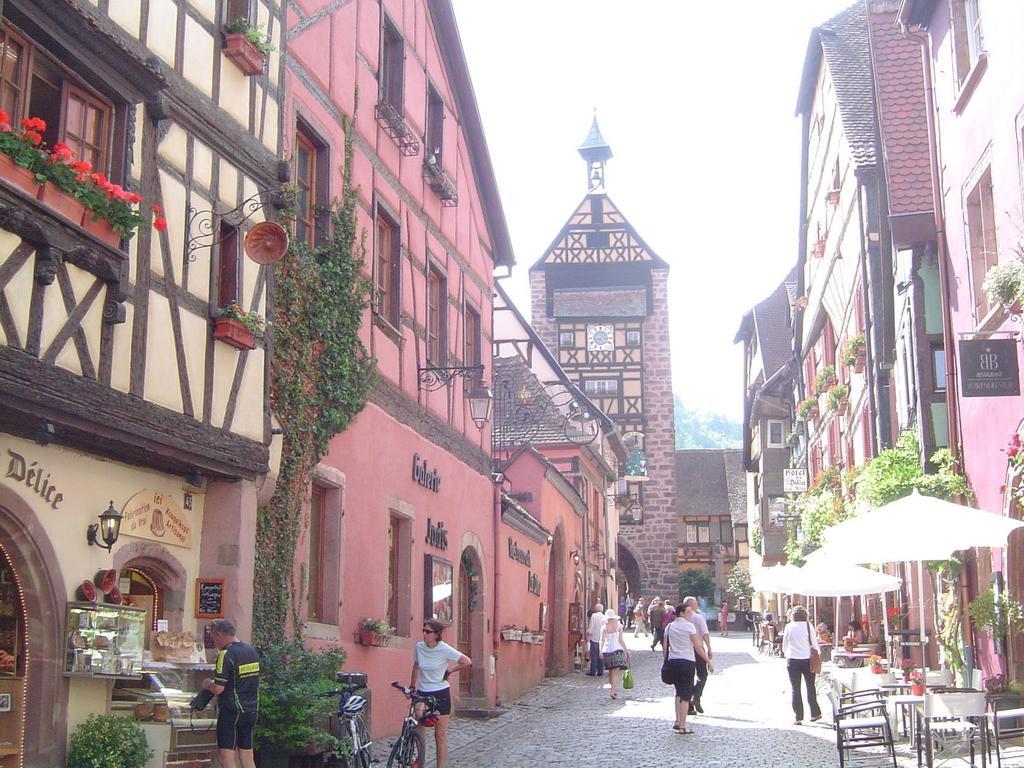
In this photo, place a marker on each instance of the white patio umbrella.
(915, 528)
(778, 578)
(823, 579)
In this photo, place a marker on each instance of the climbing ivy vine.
(321, 375)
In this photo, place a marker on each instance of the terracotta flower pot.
(243, 54)
(100, 228)
(21, 178)
(917, 689)
(234, 333)
(373, 638)
(877, 669)
(61, 203)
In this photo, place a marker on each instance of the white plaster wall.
(163, 18)
(197, 64)
(162, 386)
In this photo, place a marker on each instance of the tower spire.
(595, 151)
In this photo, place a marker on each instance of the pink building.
(973, 56)
(402, 514)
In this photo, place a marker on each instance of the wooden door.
(462, 634)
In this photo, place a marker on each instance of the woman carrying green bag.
(615, 652)
(627, 679)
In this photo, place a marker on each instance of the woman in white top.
(798, 639)
(613, 649)
(433, 661)
(682, 646)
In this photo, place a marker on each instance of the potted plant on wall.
(237, 328)
(854, 353)
(838, 397)
(1004, 283)
(808, 409)
(826, 378)
(247, 46)
(374, 631)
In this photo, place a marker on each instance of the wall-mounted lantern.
(105, 532)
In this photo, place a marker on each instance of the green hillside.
(699, 429)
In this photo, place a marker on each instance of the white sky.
(696, 99)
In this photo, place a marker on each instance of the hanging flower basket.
(243, 53)
(20, 177)
(375, 639)
(232, 332)
(61, 203)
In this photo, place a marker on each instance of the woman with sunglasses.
(433, 662)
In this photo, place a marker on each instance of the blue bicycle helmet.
(353, 705)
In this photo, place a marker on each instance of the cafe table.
(951, 714)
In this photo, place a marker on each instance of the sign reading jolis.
(155, 515)
(988, 368)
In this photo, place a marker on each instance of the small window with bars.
(632, 338)
(601, 386)
(566, 339)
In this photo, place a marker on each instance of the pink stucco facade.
(381, 519)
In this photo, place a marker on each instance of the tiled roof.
(711, 482)
(774, 335)
(899, 83)
(843, 41)
(601, 302)
(518, 420)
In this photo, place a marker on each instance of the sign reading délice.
(156, 516)
(794, 480)
(988, 368)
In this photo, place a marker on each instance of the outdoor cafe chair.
(952, 726)
(1007, 723)
(863, 734)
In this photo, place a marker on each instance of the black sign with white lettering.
(988, 368)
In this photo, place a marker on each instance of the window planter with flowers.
(374, 632)
(247, 46)
(71, 188)
(512, 633)
(838, 398)
(808, 409)
(854, 353)
(238, 328)
(826, 378)
(1004, 283)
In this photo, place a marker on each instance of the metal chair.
(954, 727)
(863, 735)
(1007, 721)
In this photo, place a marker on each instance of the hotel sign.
(794, 480)
(988, 368)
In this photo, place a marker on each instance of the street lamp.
(480, 400)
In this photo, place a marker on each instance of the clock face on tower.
(600, 338)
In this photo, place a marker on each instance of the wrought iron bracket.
(199, 225)
(434, 377)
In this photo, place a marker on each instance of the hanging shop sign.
(988, 368)
(156, 516)
(23, 470)
(429, 479)
(794, 480)
(517, 554)
(437, 536)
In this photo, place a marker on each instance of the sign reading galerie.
(156, 516)
(988, 368)
(429, 479)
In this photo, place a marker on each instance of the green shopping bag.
(627, 679)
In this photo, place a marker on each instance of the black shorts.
(234, 729)
(442, 700)
(680, 672)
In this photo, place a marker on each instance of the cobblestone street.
(571, 720)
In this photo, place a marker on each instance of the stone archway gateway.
(471, 622)
(630, 574)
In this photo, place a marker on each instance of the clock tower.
(599, 297)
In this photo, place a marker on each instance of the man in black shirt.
(236, 683)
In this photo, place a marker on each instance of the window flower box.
(233, 332)
(18, 176)
(374, 639)
(62, 203)
(100, 228)
(512, 634)
(243, 53)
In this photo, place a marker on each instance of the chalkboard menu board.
(209, 598)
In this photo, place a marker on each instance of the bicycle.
(350, 725)
(408, 750)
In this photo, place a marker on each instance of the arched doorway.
(151, 578)
(557, 659)
(470, 623)
(13, 666)
(629, 571)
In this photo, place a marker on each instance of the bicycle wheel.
(361, 756)
(407, 751)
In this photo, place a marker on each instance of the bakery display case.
(104, 640)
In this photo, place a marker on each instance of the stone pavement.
(571, 721)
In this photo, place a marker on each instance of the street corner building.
(134, 422)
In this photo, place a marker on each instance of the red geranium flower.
(158, 209)
(4, 117)
(32, 137)
(160, 224)
(61, 152)
(33, 124)
(81, 166)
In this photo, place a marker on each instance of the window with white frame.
(981, 238)
(776, 433)
(967, 37)
(601, 386)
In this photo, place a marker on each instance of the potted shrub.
(247, 46)
(236, 327)
(854, 353)
(826, 378)
(838, 398)
(292, 715)
(108, 740)
(808, 409)
(1004, 283)
(906, 665)
(374, 631)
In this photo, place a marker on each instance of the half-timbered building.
(402, 509)
(600, 299)
(125, 386)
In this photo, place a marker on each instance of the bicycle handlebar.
(345, 690)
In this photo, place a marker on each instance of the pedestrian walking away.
(655, 613)
(701, 625)
(594, 636)
(798, 638)
(236, 684)
(723, 619)
(434, 662)
(615, 654)
(640, 618)
(682, 647)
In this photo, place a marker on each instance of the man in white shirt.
(594, 630)
(701, 625)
